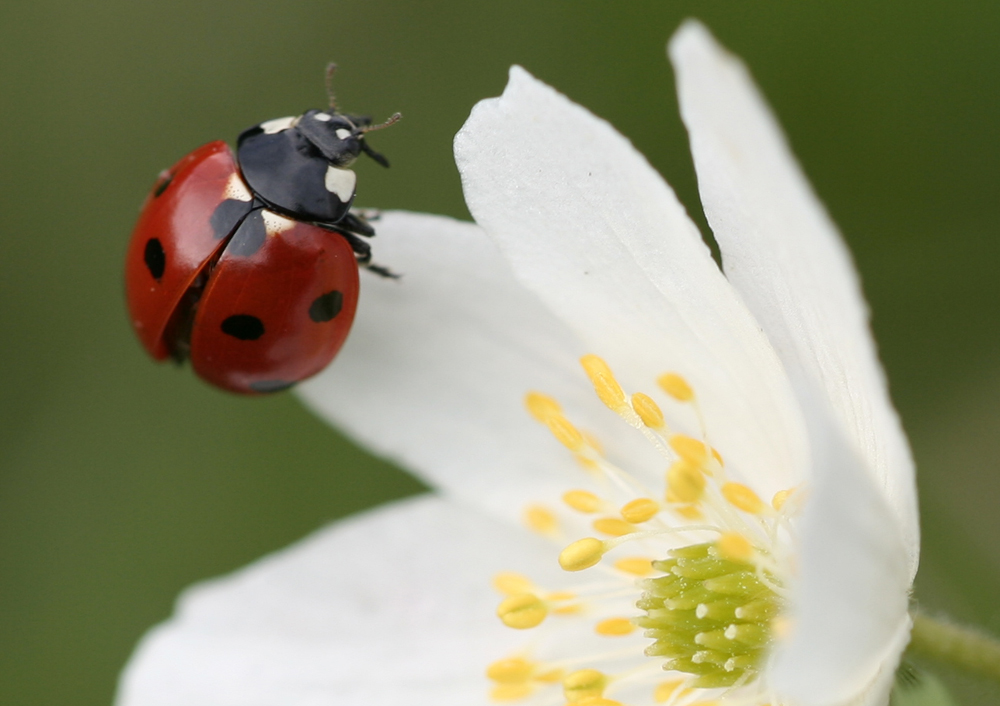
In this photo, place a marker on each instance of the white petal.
(785, 256)
(391, 607)
(849, 603)
(594, 230)
(435, 371)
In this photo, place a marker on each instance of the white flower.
(589, 252)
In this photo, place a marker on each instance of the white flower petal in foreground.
(741, 530)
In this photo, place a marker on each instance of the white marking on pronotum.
(322, 117)
(340, 183)
(343, 134)
(278, 124)
(236, 189)
(274, 224)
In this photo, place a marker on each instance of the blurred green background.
(121, 481)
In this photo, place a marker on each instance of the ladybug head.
(340, 138)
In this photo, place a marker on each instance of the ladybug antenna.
(391, 121)
(331, 68)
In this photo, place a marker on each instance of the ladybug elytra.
(247, 265)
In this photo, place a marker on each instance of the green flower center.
(709, 616)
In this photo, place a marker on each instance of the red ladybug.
(249, 266)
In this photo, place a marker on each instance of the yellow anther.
(511, 692)
(584, 684)
(649, 412)
(664, 690)
(540, 519)
(734, 547)
(640, 510)
(593, 442)
(582, 554)
(688, 449)
(689, 512)
(781, 627)
(523, 611)
(565, 433)
(509, 583)
(635, 565)
(541, 407)
(718, 457)
(582, 501)
(588, 464)
(603, 380)
(685, 481)
(612, 527)
(781, 497)
(614, 627)
(598, 701)
(743, 498)
(564, 597)
(675, 386)
(550, 676)
(514, 670)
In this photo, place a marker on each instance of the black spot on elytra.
(155, 258)
(162, 183)
(248, 237)
(243, 326)
(270, 385)
(226, 216)
(326, 306)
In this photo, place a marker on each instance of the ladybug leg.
(355, 222)
(382, 271)
(363, 251)
(377, 156)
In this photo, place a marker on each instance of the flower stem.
(963, 647)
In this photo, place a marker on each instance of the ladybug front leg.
(357, 222)
(363, 253)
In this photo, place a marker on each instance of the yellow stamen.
(582, 501)
(640, 510)
(523, 611)
(685, 481)
(781, 497)
(563, 597)
(541, 407)
(509, 583)
(781, 626)
(511, 692)
(582, 554)
(635, 565)
(742, 497)
(614, 627)
(613, 527)
(584, 684)
(688, 448)
(593, 442)
(540, 519)
(603, 380)
(649, 412)
(598, 701)
(734, 547)
(676, 386)
(513, 670)
(689, 512)
(551, 676)
(564, 432)
(664, 690)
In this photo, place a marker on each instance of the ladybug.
(247, 265)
